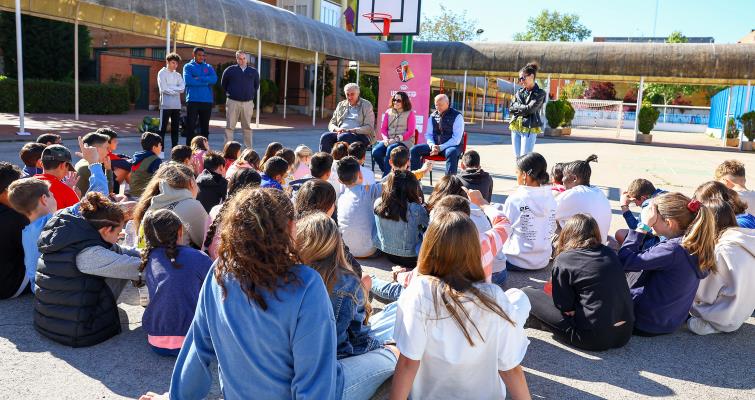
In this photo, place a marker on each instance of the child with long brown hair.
(174, 275)
(672, 269)
(231, 152)
(260, 299)
(270, 151)
(199, 146)
(320, 246)
(591, 307)
(449, 318)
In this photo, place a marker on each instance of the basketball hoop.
(376, 17)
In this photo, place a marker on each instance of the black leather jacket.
(527, 104)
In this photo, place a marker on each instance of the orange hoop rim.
(376, 17)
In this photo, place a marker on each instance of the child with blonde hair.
(301, 164)
(672, 269)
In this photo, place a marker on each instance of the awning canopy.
(229, 24)
(726, 64)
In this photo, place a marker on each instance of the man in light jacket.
(171, 85)
(199, 78)
(240, 83)
(353, 121)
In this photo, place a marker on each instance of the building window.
(158, 54)
(138, 52)
(300, 7)
(330, 14)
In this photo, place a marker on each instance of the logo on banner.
(405, 73)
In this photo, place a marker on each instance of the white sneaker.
(700, 326)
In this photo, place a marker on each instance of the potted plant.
(732, 134)
(646, 120)
(748, 123)
(268, 95)
(568, 117)
(554, 114)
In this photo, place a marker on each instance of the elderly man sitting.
(444, 133)
(353, 121)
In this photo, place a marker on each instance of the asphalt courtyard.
(681, 365)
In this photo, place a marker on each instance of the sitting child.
(249, 159)
(211, 182)
(199, 146)
(243, 178)
(709, 190)
(274, 173)
(231, 152)
(473, 177)
(359, 151)
(339, 151)
(101, 143)
(557, 174)
(725, 299)
(452, 185)
(399, 160)
(182, 154)
(639, 193)
(145, 163)
(290, 157)
(31, 155)
(119, 163)
(270, 151)
(13, 278)
(532, 212)
(732, 174)
(582, 198)
(449, 319)
(174, 274)
(591, 307)
(400, 219)
(301, 165)
(355, 217)
(672, 269)
(321, 165)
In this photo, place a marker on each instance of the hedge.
(44, 96)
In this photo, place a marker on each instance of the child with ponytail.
(672, 269)
(174, 275)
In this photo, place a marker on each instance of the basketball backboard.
(405, 17)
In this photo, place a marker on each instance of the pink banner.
(410, 73)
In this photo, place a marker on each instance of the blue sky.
(725, 20)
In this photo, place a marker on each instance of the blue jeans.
(382, 154)
(421, 150)
(529, 143)
(512, 267)
(363, 374)
(499, 278)
(382, 323)
(328, 139)
(389, 291)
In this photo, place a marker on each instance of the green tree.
(553, 27)
(665, 92)
(48, 46)
(450, 26)
(574, 90)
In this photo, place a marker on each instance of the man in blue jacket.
(240, 83)
(199, 78)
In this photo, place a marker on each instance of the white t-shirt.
(748, 196)
(449, 367)
(532, 212)
(588, 200)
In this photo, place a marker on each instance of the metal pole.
(322, 96)
(474, 100)
(167, 36)
(357, 73)
(726, 116)
(285, 86)
(259, 69)
(639, 104)
(20, 67)
(484, 98)
(76, 65)
(547, 95)
(744, 110)
(175, 36)
(314, 89)
(464, 96)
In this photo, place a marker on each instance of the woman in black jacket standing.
(525, 109)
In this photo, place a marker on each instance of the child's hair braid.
(161, 229)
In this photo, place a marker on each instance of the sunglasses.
(522, 78)
(397, 101)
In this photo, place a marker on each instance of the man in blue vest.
(444, 132)
(199, 78)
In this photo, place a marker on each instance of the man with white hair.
(352, 121)
(240, 83)
(443, 136)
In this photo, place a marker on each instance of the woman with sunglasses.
(397, 129)
(525, 109)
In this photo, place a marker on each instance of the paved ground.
(681, 365)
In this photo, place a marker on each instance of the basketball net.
(377, 17)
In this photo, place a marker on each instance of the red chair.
(416, 137)
(441, 157)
